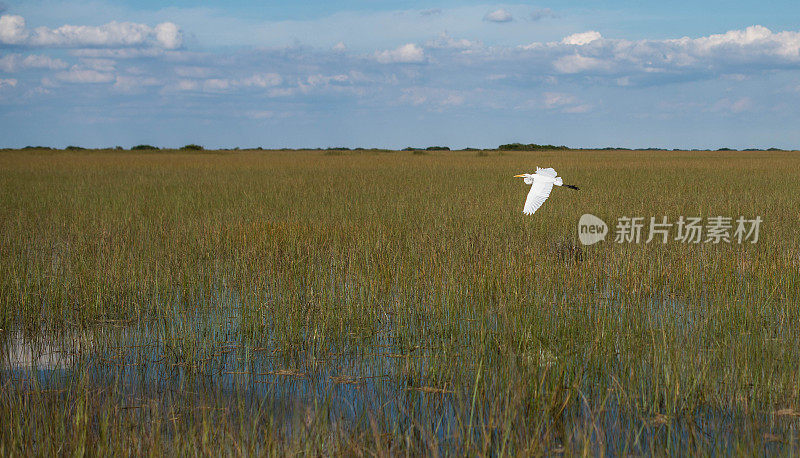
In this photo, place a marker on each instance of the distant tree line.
(529, 147)
(340, 149)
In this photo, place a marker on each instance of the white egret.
(542, 181)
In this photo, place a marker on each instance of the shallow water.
(202, 359)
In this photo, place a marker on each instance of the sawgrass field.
(384, 303)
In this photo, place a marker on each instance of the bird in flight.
(542, 181)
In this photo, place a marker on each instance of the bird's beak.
(519, 176)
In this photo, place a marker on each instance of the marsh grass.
(264, 302)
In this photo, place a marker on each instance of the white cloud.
(445, 41)
(566, 103)
(187, 85)
(582, 38)
(751, 35)
(262, 80)
(40, 61)
(556, 99)
(434, 98)
(499, 15)
(735, 52)
(577, 63)
(8, 82)
(123, 53)
(454, 100)
(12, 30)
(84, 75)
(352, 83)
(755, 39)
(168, 35)
(475, 75)
(259, 80)
(216, 85)
(339, 47)
(321, 80)
(15, 62)
(103, 65)
(407, 53)
(114, 34)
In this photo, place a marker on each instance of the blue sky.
(392, 74)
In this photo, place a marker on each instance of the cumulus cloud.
(751, 35)
(445, 41)
(168, 35)
(13, 31)
(473, 73)
(15, 62)
(499, 15)
(582, 38)
(407, 53)
(738, 51)
(8, 82)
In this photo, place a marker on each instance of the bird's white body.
(542, 183)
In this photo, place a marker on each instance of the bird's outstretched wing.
(540, 191)
(548, 172)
